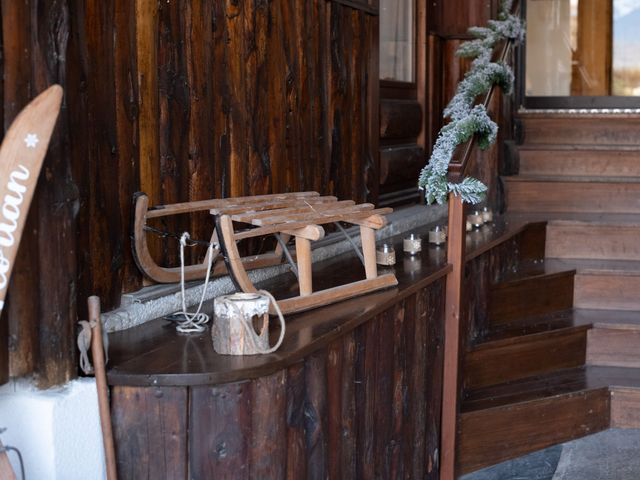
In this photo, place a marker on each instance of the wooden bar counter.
(353, 392)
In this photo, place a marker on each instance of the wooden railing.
(458, 169)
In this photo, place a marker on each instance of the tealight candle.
(386, 255)
(487, 215)
(412, 244)
(476, 219)
(437, 236)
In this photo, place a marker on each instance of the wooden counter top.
(155, 354)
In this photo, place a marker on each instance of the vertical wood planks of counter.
(366, 404)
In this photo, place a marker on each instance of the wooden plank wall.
(365, 406)
(186, 100)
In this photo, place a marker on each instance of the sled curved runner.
(160, 274)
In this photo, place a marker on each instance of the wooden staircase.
(559, 356)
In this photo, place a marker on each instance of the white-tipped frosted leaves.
(468, 119)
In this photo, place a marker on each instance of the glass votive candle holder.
(437, 235)
(487, 215)
(412, 244)
(386, 255)
(476, 219)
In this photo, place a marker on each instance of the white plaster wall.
(56, 430)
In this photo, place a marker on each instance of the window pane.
(397, 55)
(583, 48)
(626, 47)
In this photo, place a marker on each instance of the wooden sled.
(296, 215)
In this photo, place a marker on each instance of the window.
(582, 48)
(397, 40)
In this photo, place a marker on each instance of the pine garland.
(468, 119)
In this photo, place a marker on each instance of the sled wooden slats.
(256, 217)
(202, 205)
(279, 217)
(302, 217)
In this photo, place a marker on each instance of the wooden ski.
(21, 154)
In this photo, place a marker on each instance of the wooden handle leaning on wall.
(97, 352)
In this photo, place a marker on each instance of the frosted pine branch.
(471, 190)
(468, 119)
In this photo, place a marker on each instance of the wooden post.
(455, 256)
(97, 352)
(368, 238)
(303, 253)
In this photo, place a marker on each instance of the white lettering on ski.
(10, 216)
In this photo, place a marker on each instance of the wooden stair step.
(575, 178)
(603, 284)
(625, 320)
(536, 324)
(572, 194)
(570, 380)
(511, 419)
(609, 319)
(512, 358)
(614, 347)
(595, 129)
(593, 266)
(539, 267)
(614, 339)
(571, 160)
(628, 219)
(493, 436)
(593, 240)
(560, 147)
(530, 294)
(607, 290)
